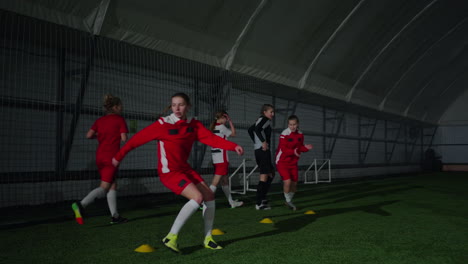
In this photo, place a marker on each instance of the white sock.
(187, 210)
(112, 202)
(92, 195)
(291, 195)
(287, 197)
(227, 192)
(213, 188)
(208, 216)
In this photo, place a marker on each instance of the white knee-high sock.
(227, 192)
(187, 210)
(291, 195)
(92, 195)
(213, 188)
(208, 216)
(112, 202)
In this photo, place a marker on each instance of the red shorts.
(106, 169)
(176, 181)
(221, 168)
(288, 172)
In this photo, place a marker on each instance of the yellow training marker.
(309, 212)
(217, 232)
(266, 221)
(145, 249)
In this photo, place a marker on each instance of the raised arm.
(205, 136)
(231, 125)
(149, 133)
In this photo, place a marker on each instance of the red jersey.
(109, 129)
(176, 137)
(289, 141)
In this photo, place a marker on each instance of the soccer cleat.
(290, 205)
(236, 203)
(262, 207)
(118, 220)
(211, 244)
(170, 241)
(77, 209)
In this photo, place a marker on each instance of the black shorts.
(263, 159)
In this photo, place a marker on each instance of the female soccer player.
(291, 145)
(109, 131)
(176, 134)
(220, 157)
(260, 132)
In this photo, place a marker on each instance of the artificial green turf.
(407, 219)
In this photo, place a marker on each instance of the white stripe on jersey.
(278, 156)
(164, 162)
(258, 143)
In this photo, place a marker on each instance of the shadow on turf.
(301, 220)
(71, 218)
(362, 193)
(134, 219)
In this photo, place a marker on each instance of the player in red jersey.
(109, 131)
(220, 156)
(291, 145)
(176, 134)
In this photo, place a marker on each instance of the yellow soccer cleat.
(211, 244)
(170, 241)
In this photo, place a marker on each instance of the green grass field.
(405, 219)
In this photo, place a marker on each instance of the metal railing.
(318, 165)
(245, 178)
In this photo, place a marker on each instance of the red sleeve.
(302, 148)
(123, 126)
(94, 126)
(149, 133)
(205, 136)
(283, 146)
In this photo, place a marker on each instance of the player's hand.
(227, 117)
(239, 150)
(115, 162)
(264, 146)
(296, 152)
(308, 146)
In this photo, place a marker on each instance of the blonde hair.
(110, 101)
(218, 115)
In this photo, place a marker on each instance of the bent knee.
(208, 197)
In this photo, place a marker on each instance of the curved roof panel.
(405, 57)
